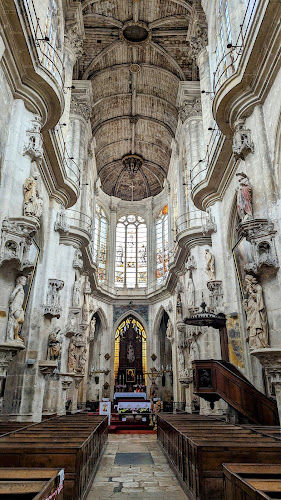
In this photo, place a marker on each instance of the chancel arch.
(130, 355)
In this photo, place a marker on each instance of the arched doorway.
(130, 358)
(165, 387)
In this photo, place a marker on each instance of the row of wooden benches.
(197, 446)
(74, 443)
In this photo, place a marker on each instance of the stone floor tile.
(143, 482)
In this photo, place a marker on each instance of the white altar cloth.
(134, 405)
(140, 395)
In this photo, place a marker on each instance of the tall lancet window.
(100, 242)
(162, 246)
(131, 252)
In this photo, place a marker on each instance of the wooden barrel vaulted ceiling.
(135, 54)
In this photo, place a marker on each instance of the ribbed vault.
(135, 54)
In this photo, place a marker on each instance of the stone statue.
(85, 310)
(130, 353)
(179, 305)
(77, 289)
(194, 350)
(16, 312)
(54, 345)
(82, 361)
(72, 357)
(32, 201)
(244, 197)
(93, 327)
(190, 291)
(210, 265)
(169, 331)
(257, 326)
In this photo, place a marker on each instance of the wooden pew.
(198, 446)
(30, 484)
(252, 481)
(75, 443)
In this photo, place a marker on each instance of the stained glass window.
(131, 252)
(100, 242)
(162, 245)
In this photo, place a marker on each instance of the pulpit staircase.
(215, 379)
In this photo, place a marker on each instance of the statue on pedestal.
(190, 291)
(210, 264)
(54, 345)
(257, 327)
(244, 197)
(16, 312)
(32, 201)
(72, 357)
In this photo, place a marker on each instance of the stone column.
(77, 381)
(66, 381)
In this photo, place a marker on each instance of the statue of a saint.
(210, 265)
(85, 309)
(16, 312)
(32, 201)
(130, 352)
(190, 291)
(54, 345)
(92, 327)
(194, 350)
(179, 305)
(72, 357)
(257, 326)
(169, 331)
(82, 361)
(244, 197)
(77, 289)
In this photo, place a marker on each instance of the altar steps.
(120, 427)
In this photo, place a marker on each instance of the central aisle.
(134, 467)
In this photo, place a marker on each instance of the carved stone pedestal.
(16, 239)
(7, 352)
(77, 380)
(270, 358)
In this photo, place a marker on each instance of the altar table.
(136, 405)
(126, 395)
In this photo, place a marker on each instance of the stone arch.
(158, 319)
(102, 317)
(132, 313)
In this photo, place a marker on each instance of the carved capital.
(270, 358)
(74, 41)
(80, 108)
(190, 109)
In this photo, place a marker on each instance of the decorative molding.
(52, 307)
(261, 234)
(34, 146)
(242, 143)
(74, 41)
(62, 224)
(16, 239)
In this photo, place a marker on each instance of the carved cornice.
(74, 41)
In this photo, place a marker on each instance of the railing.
(48, 56)
(203, 165)
(72, 169)
(189, 220)
(78, 219)
(229, 62)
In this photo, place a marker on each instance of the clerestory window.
(131, 252)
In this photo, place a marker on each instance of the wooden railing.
(219, 379)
